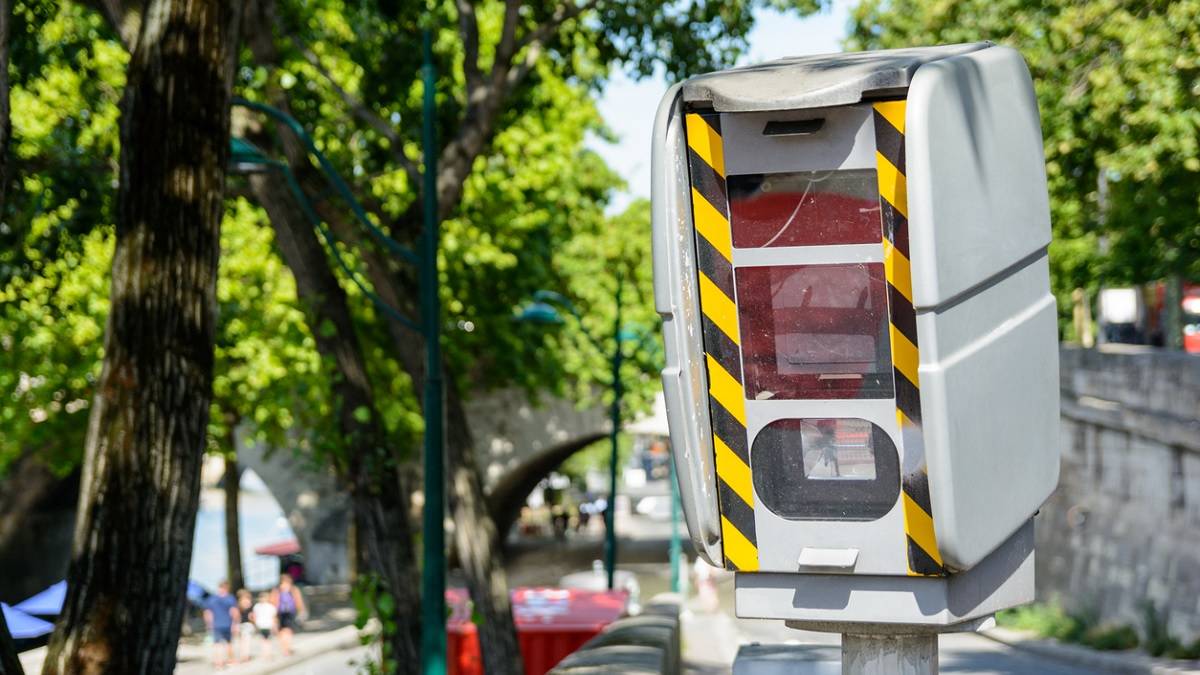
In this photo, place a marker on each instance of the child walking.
(264, 615)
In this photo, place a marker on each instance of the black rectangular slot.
(793, 127)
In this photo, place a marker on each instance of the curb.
(1113, 662)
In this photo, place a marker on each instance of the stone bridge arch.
(517, 443)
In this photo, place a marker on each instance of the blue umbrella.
(195, 592)
(47, 603)
(22, 626)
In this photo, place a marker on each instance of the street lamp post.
(433, 572)
(247, 158)
(542, 312)
(610, 514)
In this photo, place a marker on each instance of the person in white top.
(264, 615)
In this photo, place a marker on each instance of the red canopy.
(279, 548)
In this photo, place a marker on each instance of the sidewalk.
(197, 658)
(1131, 661)
(332, 630)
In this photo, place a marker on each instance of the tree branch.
(124, 16)
(518, 74)
(484, 103)
(5, 118)
(468, 27)
(508, 34)
(561, 15)
(363, 112)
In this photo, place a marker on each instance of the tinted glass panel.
(837, 449)
(805, 208)
(825, 469)
(814, 331)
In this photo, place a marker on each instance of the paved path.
(330, 632)
(338, 662)
(711, 642)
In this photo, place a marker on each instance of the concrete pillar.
(890, 654)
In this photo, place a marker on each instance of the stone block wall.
(1123, 528)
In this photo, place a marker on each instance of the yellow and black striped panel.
(726, 396)
(923, 556)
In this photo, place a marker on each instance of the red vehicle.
(1137, 315)
(1191, 318)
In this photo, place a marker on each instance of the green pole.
(676, 545)
(433, 572)
(610, 514)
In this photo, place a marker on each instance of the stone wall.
(1123, 528)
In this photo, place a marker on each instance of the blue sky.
(629, 106)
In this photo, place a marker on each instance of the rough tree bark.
(5, 118)
(232, 486)
(146, 434)
(9, 663)
(477, 542)
(383, 530)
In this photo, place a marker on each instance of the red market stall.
(551, 623)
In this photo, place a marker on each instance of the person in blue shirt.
(220, 615)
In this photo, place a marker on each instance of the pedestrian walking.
(244, 637)
(220, 614)
(289, 604)
(264, 615)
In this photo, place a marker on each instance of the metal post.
(433, 573)
(610, 514)
(676, 545)
(890, 654)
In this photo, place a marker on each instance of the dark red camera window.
(814, 331)
(805, 208)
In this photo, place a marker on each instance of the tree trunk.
(1081, 317)
(1173, 313)
(476, 540)
(9, 663)
(477, 544)
(5, 118)
(382, 527)
(146, 434)
(232, 485)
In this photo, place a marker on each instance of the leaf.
(387, 604)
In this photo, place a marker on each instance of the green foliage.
(1111, 638)
(533, 214)
(1118, 84)
(375, 610)
(55, 241)
(51, 332)
(1048, 620)
(1157, 639)
(268, 374)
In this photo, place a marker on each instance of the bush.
(1154, 627)
(1046, 620)
(1111, 637)
(1189, 652)
(1052, 621)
